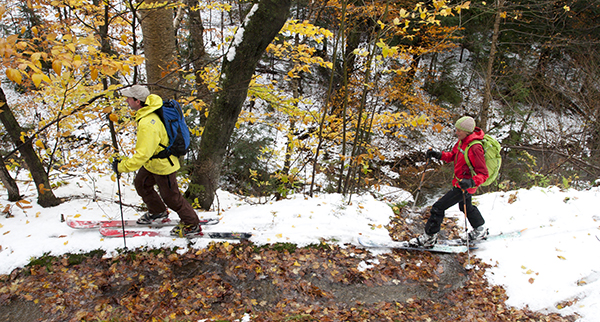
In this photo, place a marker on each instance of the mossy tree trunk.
(262, 24)
(46, 197)
(9, 183)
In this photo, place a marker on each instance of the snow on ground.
(554, 261)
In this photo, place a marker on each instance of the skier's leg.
(169, 191)
(144, 185)
(439, 208)
(473, 215)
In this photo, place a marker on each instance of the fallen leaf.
(531, 280)
(23, 204)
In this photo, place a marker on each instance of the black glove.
(115, 166)
(466, 183)
(433, 154)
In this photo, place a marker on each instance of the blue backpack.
(179, 134)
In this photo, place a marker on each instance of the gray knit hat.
(466, 123)
(138, 92)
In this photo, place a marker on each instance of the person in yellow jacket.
(151, 134)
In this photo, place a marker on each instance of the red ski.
(108, 232)
(87, 224)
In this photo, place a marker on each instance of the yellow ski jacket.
(151, 133)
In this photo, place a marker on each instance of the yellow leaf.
(438, 127)
(57, 66)
(94, 74)
(77, 216)
(403, 13)
(113, 117)
(14, 75)
(40, 144)
(279, 235)
(561, 257)
(37, 79)
(66, 243)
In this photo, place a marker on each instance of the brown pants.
(169, 194)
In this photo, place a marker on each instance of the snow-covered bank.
(552, 267)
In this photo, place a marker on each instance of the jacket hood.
(476, 135)
(153, 103)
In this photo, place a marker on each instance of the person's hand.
(433, 154)
(466, 183)
(115, 166)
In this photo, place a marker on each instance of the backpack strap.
(466, 154)
(162, 154)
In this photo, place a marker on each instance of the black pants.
(450, 199)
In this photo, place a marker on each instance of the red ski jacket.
(476, 156)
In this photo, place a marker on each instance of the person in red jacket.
(464, 184)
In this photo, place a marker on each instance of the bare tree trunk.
(198, 56)
(46, 197)
(160, 48)
(261, 25)
(487, 96)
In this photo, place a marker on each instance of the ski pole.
(113, 135)
(420, 185)
(468, 266)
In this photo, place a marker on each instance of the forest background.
(288, 96)
(306, 97)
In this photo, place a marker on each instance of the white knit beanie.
(466, 123)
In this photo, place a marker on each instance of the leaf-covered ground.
(270, 283)
(275, 283)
